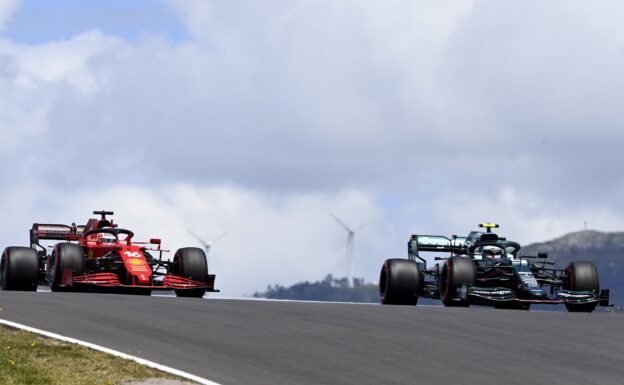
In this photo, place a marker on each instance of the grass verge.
(30, 359)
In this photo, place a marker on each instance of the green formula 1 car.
(486, 269)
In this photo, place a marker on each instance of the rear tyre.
(19, 269)
(582, 276)
(64, 256)
(457, 271)
(400, 282)
(190, 262)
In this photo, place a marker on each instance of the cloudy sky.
(260, 118)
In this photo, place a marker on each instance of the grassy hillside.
(606, 250)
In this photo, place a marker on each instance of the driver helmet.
(106, 238)
(491, 252)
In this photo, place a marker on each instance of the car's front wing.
(112, 281)
(503, 294)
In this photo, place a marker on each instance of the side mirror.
(155, 241)
(542, 254)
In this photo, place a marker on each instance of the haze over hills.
(606, 250)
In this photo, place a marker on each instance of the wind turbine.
(207, 244)
(350, 237)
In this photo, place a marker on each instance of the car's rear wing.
(434, 243)
(47, 231)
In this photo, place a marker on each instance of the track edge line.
(142, 361)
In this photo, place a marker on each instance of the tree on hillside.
(328, 289)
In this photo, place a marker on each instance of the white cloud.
(64, 62)
(524, 217)
(313, 94)
(7, 8)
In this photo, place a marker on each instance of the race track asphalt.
(272, 343)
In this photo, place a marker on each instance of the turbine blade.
(204, 243)
(360, 227)
(213, 241)
(341, 223)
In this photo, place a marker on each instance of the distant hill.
(606, 250)
(329, 289)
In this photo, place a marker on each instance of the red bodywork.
(112, 260)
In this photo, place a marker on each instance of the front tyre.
(399, 282)
(19, 269)
(582, 276)
(456, 272)
(64, 256)
(191, 263)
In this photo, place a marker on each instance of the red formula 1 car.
(100, 256)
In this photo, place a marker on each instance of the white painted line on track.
(116, 353)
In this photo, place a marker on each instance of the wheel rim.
(444, 283)
(383, 283)
(52, 274)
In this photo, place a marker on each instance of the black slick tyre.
(582, 276)
(19, 269)
(64, 256)
(456, 272)
(191, 263)
(400, 282)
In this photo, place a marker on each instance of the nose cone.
(138, 269)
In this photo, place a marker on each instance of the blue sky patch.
(42, 21)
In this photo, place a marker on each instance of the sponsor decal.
(528, 279)
(570, 295)
(433, 241)
(136, 264)
(491, 292)
(135, 261)
(459, 241)
(440, 241)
